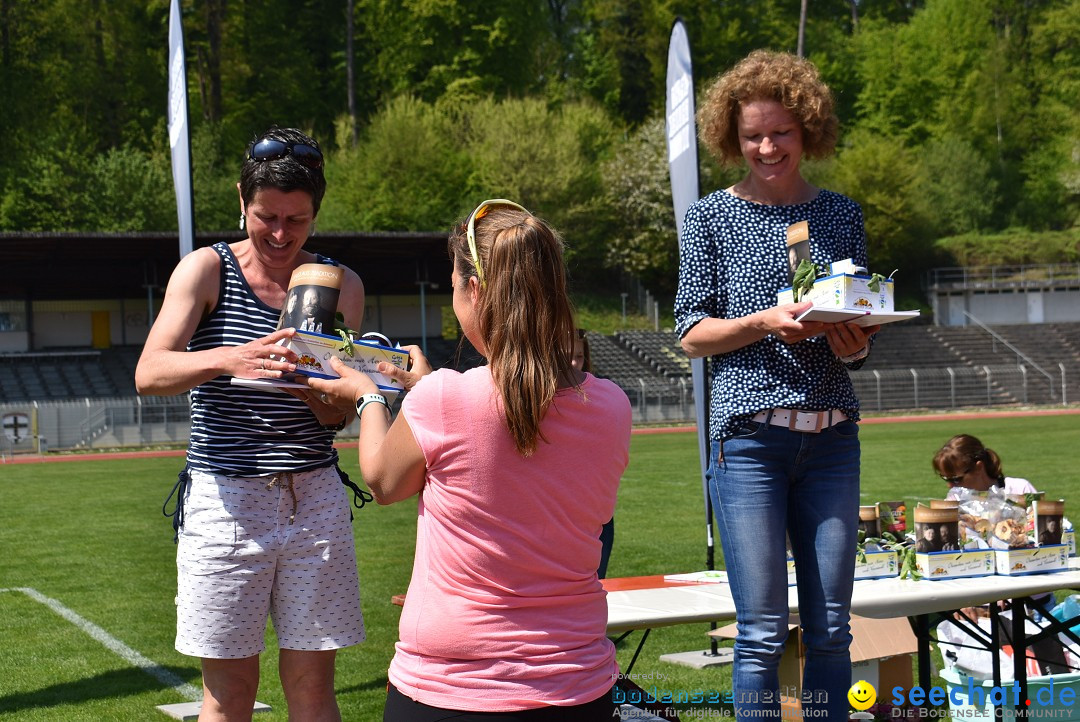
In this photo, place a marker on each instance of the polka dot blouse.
(733, 260)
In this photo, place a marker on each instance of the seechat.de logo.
(974, 695)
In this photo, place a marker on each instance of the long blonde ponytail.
(524, 315)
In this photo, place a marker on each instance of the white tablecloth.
(880, 598)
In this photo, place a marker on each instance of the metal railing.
(131, 422)
(989, 277)
(1020, 355)
(953, 388)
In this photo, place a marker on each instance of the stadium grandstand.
(76, 308)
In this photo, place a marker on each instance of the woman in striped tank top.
(265, 525)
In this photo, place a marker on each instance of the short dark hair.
(284, 174)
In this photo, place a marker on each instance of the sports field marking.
(128, 654)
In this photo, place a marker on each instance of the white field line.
(128, 654)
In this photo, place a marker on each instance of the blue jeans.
(770, 481)
(607, 540)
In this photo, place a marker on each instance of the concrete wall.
(1008, 306)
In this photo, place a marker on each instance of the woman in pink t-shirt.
(517, 465)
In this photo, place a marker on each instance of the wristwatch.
(366, 399)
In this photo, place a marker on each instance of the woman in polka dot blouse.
(784, 438)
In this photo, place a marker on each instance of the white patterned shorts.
(256, 546)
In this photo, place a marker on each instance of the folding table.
(642, 603)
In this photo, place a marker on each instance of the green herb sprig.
(805, 275)
(874, 284)
(889, 542)
(347, 334)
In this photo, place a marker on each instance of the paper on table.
(706, 577)
(861, 318)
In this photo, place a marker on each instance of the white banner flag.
(179, 132)
(683, 165)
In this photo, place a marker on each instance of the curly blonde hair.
(765, 75)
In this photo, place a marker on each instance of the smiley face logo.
(862, 695)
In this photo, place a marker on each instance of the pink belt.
(808, 421)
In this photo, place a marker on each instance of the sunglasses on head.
(470, 228)
(270, 149)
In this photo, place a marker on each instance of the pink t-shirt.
(504, 610)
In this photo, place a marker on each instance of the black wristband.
(338, 426)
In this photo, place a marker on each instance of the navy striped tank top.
(243, 431)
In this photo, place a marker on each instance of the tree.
(422, 165)
(549, 159)
(48, 195)
(957, 192)
(350, 69)
(131, 191)
(992, 83)
(621, 35)
(883, 177)
(1050, 168)
(637, 180)
(208, 54)
(410, 172)
(467, 48)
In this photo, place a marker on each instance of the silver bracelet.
(857, 356)
(366, 399)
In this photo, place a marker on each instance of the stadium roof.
(62, 266)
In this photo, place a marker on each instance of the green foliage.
(620, 59)
(1011, 247)
(72, 61)
(547, 157)
(956, 190)
(997, 76)
(805, 277)
(638, 189)
(883, 177)
(1050, 168)
(408, 173)
(419, 166)
(48, 192)
(215, 173)
(275, 62)
(638, 207)
(429, 48)
(38, 206)
(959, 116)
(602, 313)
(899, 98)
(133, 191)
(1051, 180)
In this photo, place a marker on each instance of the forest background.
(960, 119)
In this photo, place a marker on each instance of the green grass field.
(90, 535)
